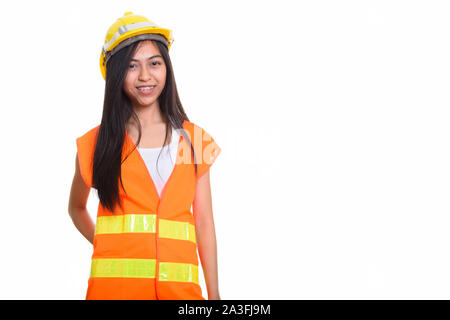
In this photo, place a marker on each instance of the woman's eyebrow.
(155, 56)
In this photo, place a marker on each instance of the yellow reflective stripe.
(176, 230)
(182, 272)
(144, 268)
(139, 223)
(126, 268)
(126, 223)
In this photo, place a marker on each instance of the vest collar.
(136, 160)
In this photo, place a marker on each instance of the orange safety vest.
(148, 250)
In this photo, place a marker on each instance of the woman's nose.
(144, 74)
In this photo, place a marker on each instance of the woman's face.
(146, 69)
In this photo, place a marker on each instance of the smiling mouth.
(146, 89)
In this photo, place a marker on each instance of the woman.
(146, 237)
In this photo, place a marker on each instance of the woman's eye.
(153, 64)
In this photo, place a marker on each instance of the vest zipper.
(157, 216)
(159, 201)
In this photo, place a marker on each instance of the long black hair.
(117, 110)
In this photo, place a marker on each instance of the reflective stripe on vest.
(140, 223)
(125, 28)
(144, 268)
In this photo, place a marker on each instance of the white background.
(332, 116)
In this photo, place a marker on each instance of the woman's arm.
(206, 235)
(79, 194)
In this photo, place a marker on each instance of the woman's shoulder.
(195, 128)
(202, 141)
(89, 135)
(198, 134)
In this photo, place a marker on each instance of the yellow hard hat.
(128, 29)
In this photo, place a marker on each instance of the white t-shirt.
(166, 161)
